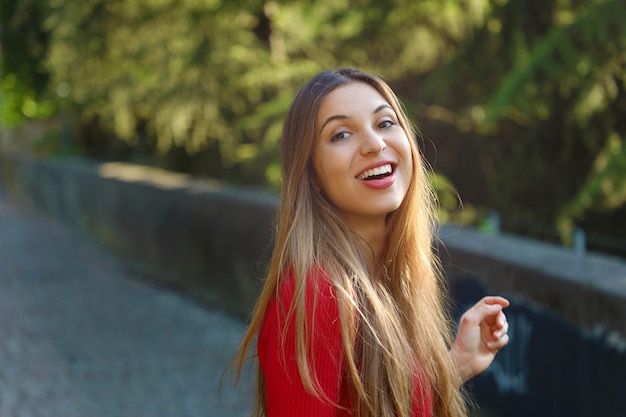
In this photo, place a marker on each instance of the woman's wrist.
(461, 364)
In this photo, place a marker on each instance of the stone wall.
(588, 290)
(200, 236)
(214, 240)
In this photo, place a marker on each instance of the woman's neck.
(374, 233)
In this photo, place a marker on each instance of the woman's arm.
(482, 332)
(285, 393)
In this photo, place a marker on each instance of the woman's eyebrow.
(331, 118)
(342, 116)
(382, 107)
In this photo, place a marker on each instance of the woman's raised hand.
(482, 333)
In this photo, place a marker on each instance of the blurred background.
(152, 127)
(521, 104)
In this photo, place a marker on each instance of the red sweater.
(285, 394)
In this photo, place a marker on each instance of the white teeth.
(384, 169)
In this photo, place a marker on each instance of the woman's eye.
(339, 136)
(386, 123)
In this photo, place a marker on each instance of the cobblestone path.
(81, 337)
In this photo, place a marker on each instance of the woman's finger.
(502, 327)
(496, 299)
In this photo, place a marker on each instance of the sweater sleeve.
(285, 393)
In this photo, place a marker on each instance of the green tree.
(23, 76)
(215, 78)
(541, 87)
(524, 99)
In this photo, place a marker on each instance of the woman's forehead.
(351, 99)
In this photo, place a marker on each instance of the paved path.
(80, 336)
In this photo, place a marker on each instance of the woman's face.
(361, 157)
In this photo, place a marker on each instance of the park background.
(153, 127)
(520, 104)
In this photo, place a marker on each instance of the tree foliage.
(533, 89)
(548, 110)
(579, 66)
(24, 48)
(210, 75)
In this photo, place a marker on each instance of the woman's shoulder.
(319, 301)
(314, 292)
(318, 286)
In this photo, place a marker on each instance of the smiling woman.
(361, 157)
(351, 320)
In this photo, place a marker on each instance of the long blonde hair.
(393, 317)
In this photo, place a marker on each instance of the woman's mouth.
(376, 173)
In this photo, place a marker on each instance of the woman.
(352, 318)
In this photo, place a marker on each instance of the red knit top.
(285, 394)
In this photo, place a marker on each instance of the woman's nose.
(373, 143)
